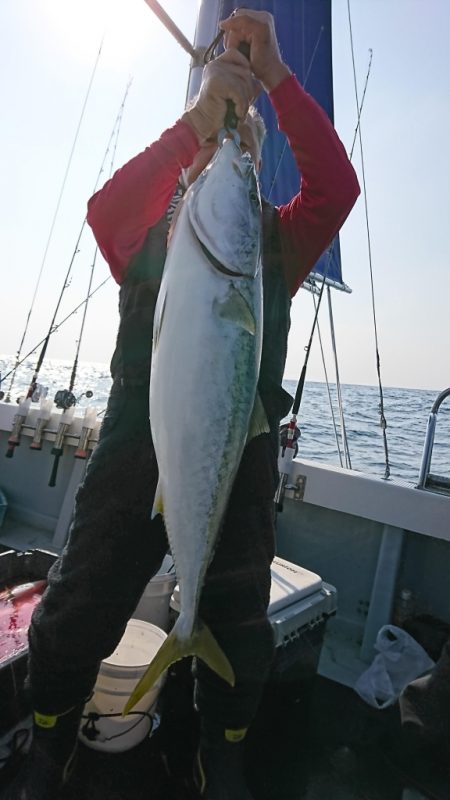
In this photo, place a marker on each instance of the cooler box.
(300, 604)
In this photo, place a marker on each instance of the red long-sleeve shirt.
(138, 194)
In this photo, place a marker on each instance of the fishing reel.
(289, 434)
(284, 428)
(66, 399)
(39, 392)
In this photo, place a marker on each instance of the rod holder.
(43, 418)
(18, 423)
(90, 418)
(58, 446)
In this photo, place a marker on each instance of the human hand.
(228, 77)
(257, 28)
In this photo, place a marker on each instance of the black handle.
(244, 48)
(231, 120)
(52, 481)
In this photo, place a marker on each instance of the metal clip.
(299, 487)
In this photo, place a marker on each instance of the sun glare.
(126, 27)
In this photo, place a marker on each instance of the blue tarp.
(304, 34)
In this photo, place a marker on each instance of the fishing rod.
(383, 422)
(291, 432)
(65, 398)
(52, 226)
(59, 325)
(14, 439)
(171, 27)
(299, 392)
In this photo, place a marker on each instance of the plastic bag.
(401, 660)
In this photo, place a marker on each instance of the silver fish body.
(207, 342)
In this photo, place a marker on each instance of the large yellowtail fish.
(203, 388)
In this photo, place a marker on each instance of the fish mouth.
(217, 264)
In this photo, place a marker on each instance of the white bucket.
(174, 602)
(116, 679)
(154, 604)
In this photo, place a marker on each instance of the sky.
(48, 49)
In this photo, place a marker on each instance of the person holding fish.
(213, 333)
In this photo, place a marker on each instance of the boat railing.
(427, 480)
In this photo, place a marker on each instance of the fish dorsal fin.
(258, 421)
(236, 309)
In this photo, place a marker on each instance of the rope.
(383, 422)
(69, 163)
(91, 732)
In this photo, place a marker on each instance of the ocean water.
(406, 412)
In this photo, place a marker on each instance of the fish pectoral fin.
(258, 421)
(235, 308)
(201, 644)
(158, 502)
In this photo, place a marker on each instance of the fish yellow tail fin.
(201, 644)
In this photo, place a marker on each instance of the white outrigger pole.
(205, 33)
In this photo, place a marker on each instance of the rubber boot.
(219, 766)
(425, 707)
(49, 762)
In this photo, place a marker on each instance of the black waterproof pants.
(113, 550)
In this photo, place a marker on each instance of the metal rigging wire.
(304, 86)
(348, 462)
(301, 382)
(328, 388)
